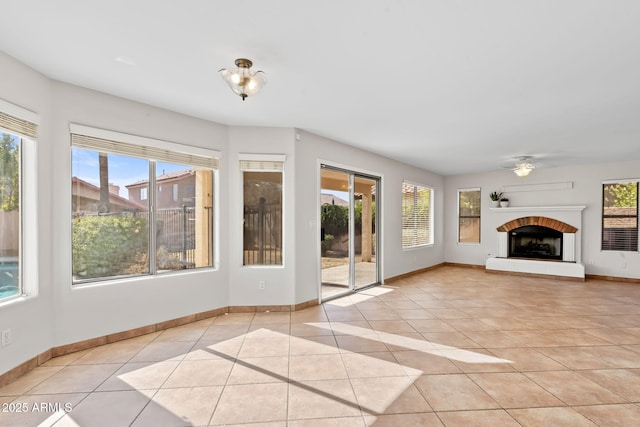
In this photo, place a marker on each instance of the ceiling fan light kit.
(523, 167)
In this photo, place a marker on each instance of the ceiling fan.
(523, 166)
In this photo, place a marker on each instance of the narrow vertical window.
(123, 224)
(620, 216)
(17, 136)
(262, 211)
(10, 217)
(175, 192)
(417, 219)
(469, 215)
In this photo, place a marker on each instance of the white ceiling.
(452, 86)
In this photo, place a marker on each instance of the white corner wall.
(61, 314)
(244, 280)
(586, 190)
(312, 150)
(98, 309)
(30, 320)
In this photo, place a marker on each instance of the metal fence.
(263, 234)
(176, 233)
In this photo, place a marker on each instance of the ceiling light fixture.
(242, 81)
(523, 167)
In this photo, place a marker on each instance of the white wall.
(312, 150)
(30, 319)
(85, 311)
(244, 280)
(587, 190)
(58, 314)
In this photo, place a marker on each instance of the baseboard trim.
(538, 275)
(612, 278)
(15, 373)
(456, 264)
(412, 273)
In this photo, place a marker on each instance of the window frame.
(429, 219)
(478, 216)
(175, 190)
(23, 124)
(274, 163)
(604, 216)
(158, 151)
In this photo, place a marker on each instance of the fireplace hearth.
(535, 242)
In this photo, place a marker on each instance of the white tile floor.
(453, 346)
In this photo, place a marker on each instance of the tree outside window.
(9, 215)
(469, 216)
(620, 216)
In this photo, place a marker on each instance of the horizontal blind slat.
(416, 220)
(261, 165)
(19, 126)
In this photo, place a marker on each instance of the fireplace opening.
(535, 241)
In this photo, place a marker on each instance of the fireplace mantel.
(538, 209)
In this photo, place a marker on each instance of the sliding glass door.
(348, 238)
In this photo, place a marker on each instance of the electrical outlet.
(6, 337)
(261, 284)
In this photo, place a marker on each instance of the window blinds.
(416, 215)
(262, 162)
(620, 215)
(146, 148)
(261, 165)
(16, 120)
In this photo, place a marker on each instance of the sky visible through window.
(123, 170)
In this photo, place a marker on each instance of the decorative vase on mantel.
(504, 203)
(495, 199)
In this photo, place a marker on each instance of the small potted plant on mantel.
(504, 202)
(495, 199)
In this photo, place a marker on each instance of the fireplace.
(535, 242)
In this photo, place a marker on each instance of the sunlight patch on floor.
(376, 368)
(424, 346)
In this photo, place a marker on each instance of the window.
(417, 221)
(175, 192)
(469, 215)
(620, 216)
(262, 179)
(120, 228)
(10, 268)
(16, 202)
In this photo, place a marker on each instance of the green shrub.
(109, 245)
(327, 243)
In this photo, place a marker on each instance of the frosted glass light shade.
(523, 169)
(242, 81)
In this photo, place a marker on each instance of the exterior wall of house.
(185, 194)
(165, 197)
(586, 191)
